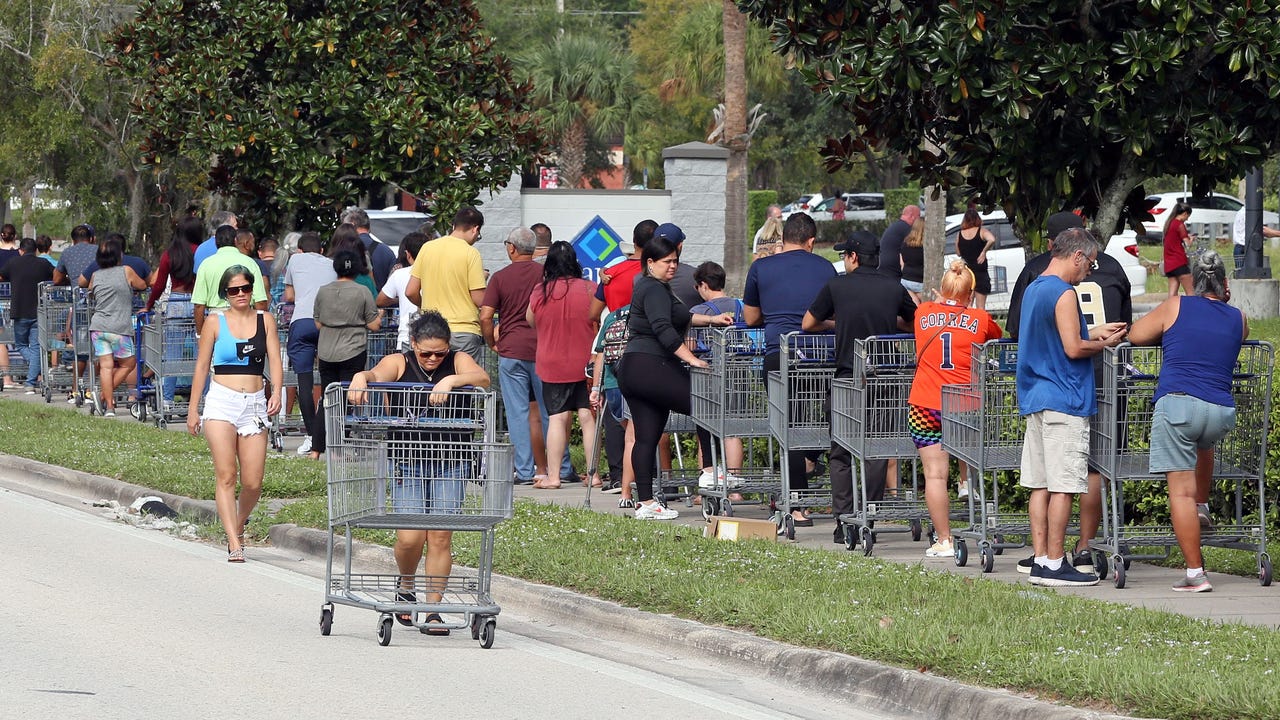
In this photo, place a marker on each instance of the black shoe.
(1083, 561)
(1024, 566)
(838, 536)
(523, 481)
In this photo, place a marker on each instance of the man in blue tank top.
(1057, 396)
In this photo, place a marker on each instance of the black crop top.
(234, 356)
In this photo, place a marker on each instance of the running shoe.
(305, 447)
(655, 511)
(1066, 576)
(613, 488)
(1024, 566)
(962, 490)
(109, 413)
(1036, 572)
(626, 503)
(707, 481)
(1083, 561)
(1202, 511)
(1199, 583)
(940, 550)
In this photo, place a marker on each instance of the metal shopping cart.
(397, 461)
(798, 393)
(1120, 453)
(981, 427)
(729, 400)
(170, 350)
(869, 419)
(59, 371)
(17, 364)
(84, 309)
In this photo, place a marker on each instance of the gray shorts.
(1055, 452)
(1182, 424)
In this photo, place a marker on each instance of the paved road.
(103, 620)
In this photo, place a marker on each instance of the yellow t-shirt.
(449, 269)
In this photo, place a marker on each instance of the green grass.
(1085, 652)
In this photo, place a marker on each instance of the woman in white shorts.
(239, 343)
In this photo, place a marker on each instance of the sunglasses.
(431, 354)
(239, 290)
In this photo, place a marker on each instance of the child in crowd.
(605, 391)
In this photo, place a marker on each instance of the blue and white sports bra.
(236, 356)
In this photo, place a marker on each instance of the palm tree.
(736, 140)
(584, 87)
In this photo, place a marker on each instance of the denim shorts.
(427, 487)
(1182, 424)
(617, 404)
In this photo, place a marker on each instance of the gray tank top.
(113, 302)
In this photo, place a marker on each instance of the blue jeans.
(27, 340)
(519, 381)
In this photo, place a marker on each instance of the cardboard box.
(732, 528)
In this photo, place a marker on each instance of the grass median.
(1085, 652)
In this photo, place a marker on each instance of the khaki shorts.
(1055, 452)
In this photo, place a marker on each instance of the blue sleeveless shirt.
(1047, 378)
(1200, 351)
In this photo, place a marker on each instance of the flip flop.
(432, 619)
(405, 619)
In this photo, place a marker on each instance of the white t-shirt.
(397, 281)
(1237, 228)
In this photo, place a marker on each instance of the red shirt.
(622, 280)
(945, 335)
(1175, 249)
(566, 329)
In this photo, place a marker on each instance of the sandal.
(405, 619)
(235, 556)
(433, 619)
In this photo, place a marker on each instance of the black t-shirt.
(863, 303)
(24, 275)
(1104, 295)
(891, 247)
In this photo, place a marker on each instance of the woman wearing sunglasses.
(239, 343)
(424, 482)
(344, 313)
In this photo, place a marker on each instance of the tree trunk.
(573, 154)
(137, 205)
(935, 218)
(1112, 200)
(735, 138)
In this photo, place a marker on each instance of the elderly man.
(507, 298)
(891, 241)
(1057, 396)
(210, 246)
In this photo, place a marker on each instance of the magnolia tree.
(1037, 105)
(297, 107)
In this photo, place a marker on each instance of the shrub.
(898, 198)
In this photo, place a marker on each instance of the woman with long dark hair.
(177, 268)
(1176, 240)
(239, 344)
(972, 245)
(560, 312)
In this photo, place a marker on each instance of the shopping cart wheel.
(1100, 565)
(487, 631)
(788, 529)
(326, 620)
(998, 546)
(726, 510)
(917, 530)
(850, 538)
(1118, 568)
(868, 540)
(384, 631)
(710, 507)
(138, 411)
(1264, 570)
(988, 557)
(962, 553)
(48, 394)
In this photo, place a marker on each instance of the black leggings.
(332, 372)
(654, 386)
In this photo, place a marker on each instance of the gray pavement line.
(853, 679)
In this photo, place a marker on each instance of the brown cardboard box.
(732, 528)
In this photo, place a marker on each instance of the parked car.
(1007, 258)
(858, 206)
(390, 226)
(1211, 216)
(804, 203)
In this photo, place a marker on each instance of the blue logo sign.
(597, 248)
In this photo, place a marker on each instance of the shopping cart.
(385, 340)
(798, 393)
(869, 419)
(729, 400)
(17, 367)
(397, 461)
(59, 370)
(981, 426)
(1120, 452)
(170, 351)
(84, 309)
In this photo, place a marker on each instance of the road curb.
(97, 487)
(852, 679)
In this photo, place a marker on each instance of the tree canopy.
(1039, 104)
(299, 107)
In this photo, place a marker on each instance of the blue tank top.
(237, 356)
(1200, 351)
(1047, 378)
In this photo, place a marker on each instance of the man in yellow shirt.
(448, 276)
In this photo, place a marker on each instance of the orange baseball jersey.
(945, 334)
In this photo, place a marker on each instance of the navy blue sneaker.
(1037, 573)
(1065, 576)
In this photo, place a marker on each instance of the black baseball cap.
(1060, 221)
(859, 242)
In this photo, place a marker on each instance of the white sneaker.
(706, 480)
(727, 479)
(940, 549)
(962, 490)
(305, 447)
(655, 511)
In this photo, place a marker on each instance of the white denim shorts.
(247, 412)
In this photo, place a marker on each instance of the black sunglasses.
(239, 289)
(432, 354)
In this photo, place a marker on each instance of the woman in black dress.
(972, 245)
